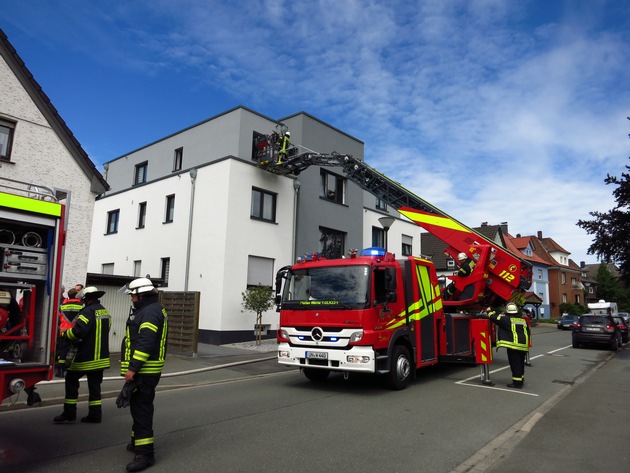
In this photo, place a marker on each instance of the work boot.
(131, 447)
(65, 418)
(91, 419)
(140, 462)
(515, 385)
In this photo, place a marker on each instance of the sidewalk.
(212, 363)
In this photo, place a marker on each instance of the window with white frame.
(407, 245)
(107, 268)
(259, 271)
(137, 268)
(378, 237)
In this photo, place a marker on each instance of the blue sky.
(492, 110)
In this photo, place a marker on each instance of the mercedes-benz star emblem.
(317, 334)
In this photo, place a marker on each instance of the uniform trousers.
(516, 358)
(141, 408)
(94, 380)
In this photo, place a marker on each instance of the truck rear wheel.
(316, 375)
(400, 368)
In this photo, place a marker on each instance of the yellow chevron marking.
(434, 220)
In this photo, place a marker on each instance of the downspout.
(296, 188)
(193, 177)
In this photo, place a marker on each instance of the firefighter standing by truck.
(143, 355)
(514, 335)
(90, 335)
(68, 311)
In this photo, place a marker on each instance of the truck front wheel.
(316, 375)
(400, 368)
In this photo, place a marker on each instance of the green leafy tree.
(611, 229)
(607, 285)
(258, 299)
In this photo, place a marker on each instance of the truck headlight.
(357, 359)
(356, 337)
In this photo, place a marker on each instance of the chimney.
(504, 227)
(518, 235)
(582, 264)
(484, 224)
(539, 234)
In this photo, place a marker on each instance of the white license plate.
(593, 329)
(320, 355)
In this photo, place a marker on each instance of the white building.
(37, 147)
(194, 210)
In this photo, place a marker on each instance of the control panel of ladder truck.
(31, 256)
(385, 315)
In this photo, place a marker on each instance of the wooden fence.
(183, 320)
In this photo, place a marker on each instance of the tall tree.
(611, 229)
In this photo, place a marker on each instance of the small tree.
(258, 299)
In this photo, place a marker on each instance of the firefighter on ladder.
(466, 266)
(283, 145)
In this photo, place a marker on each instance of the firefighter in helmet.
(143, 355)
(514, 335)
(90, 335)
(466, 266)
(283, 144)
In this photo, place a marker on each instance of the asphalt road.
(257, 419)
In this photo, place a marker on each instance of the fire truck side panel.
(31, 236)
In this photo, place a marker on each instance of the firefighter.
(68, 311)
(90, 336)
(514, 335)
(283, 146)
(143, 355)
(466, 266)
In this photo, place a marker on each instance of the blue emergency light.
(373, 251)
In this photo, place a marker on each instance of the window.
(577, 299)
(380, 204)
(112, 221)
(333, 243)
(140, 175)
(563, 277)
(6, 139)
(378, 237)
(261, 151)
(107, 268)
(407, 245)
(170, 209)
(590, 290)
(540, 274)
(259, 271)
(263, 205)
(564, 298)
(573, 282)
(142, 214)
(450, 263)
(177, 159)
(332, 187)
(165, 268)
(137, 268)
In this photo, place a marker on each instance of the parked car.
(623, 327)
(566, 322)
(625, 316)
(596, 329)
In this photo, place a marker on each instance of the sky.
(492, 110)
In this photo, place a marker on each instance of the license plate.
(593, 329)
(320, 355)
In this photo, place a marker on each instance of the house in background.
(37, 147)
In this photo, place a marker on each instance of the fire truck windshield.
(343, 286)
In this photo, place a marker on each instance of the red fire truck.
(31, 257)
(373, 313)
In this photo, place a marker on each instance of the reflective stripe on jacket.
(513, 331)
(90, 334)
(144, 347)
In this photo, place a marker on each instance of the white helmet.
(139, 286)
(511, 308)
(91, 292)
(288, 133)
(462, 256)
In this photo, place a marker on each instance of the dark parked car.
(625, 316)
(623, 327)
(596, 329)
(566, 322)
